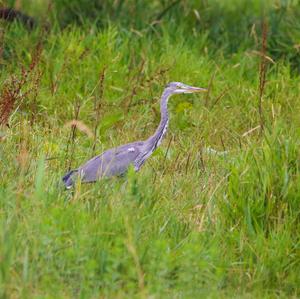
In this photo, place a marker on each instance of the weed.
(214, 212)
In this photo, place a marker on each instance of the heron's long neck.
(160, 132)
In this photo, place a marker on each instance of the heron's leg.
(124, 185)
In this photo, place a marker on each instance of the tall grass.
(191, 223)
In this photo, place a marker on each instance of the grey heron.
(117, 160)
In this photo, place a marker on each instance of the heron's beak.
(191, 89)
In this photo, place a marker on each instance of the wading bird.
(117, 160)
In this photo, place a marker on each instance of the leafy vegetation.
(193, 222)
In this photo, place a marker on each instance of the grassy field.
(191, 223)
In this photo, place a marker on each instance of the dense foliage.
(193, 222)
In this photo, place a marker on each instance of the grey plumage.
(116, 161)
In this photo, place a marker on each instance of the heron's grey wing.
(110, 163)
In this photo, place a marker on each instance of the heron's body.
(117, 160)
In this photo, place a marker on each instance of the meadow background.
(191, 223)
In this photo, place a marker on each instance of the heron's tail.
(67, 179)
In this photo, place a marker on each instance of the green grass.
(190, 224)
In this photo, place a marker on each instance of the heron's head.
(178, 87)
